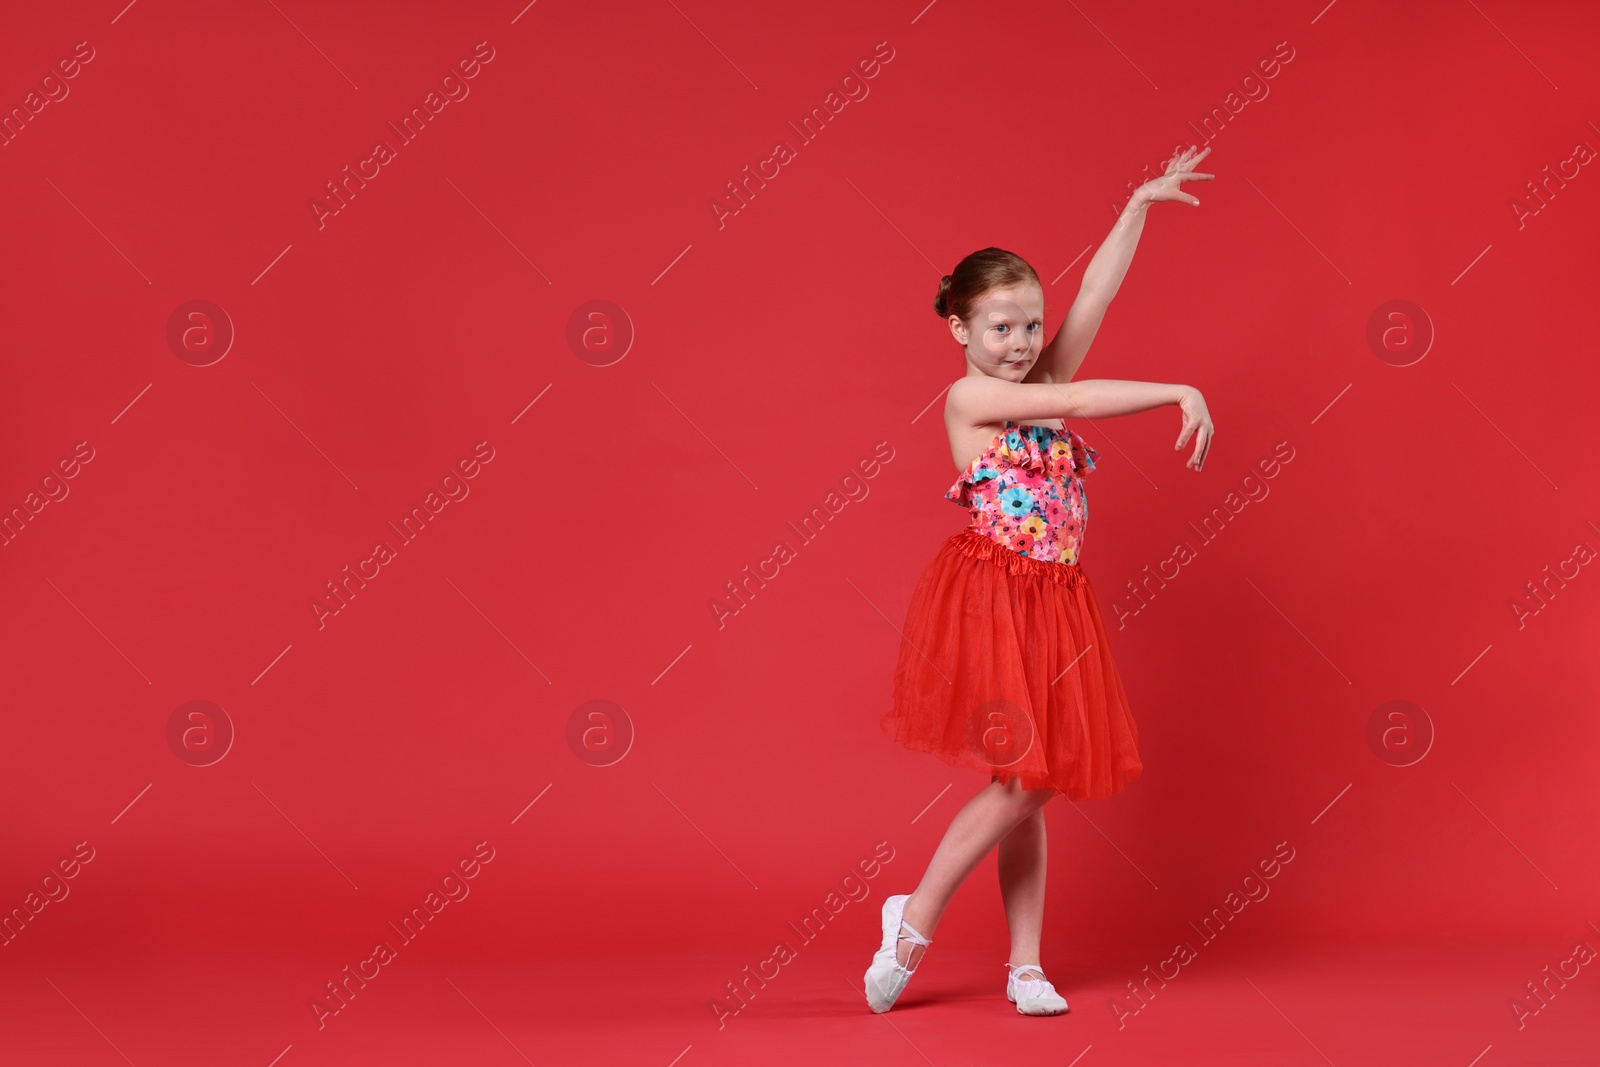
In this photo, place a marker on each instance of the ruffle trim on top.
(1064, 454)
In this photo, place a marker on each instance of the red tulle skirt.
(1005, 668)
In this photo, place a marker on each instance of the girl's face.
(1005, 334)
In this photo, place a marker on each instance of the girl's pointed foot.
(893, 965)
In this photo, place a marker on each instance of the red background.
(771, 353)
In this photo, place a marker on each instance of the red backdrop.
(1400, 504)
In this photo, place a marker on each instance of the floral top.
(1026, 491)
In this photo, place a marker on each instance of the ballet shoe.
(887, 976)
(1033, 996)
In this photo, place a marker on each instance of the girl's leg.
(1022, 871)
(977, 828)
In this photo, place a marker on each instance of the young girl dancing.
(1004, 664)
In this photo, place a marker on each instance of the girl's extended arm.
(1103, 277)
(978, 400)
(981, 399)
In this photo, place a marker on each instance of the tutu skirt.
(1005, 668)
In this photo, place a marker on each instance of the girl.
(1004, 662)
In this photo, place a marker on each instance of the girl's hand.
(1179, 169)
(1196, 421)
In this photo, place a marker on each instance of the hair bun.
(981, 272)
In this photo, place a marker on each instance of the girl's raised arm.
(1103, 277)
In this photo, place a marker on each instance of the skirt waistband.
(975, 545)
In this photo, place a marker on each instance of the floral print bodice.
(1025, 491)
